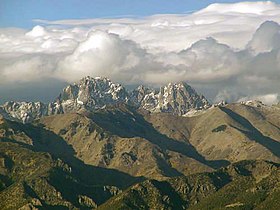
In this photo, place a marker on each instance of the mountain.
(176, 98)
(38, 170)
(243, 185)
(27, 111)
(116, 138)
(91, 94)
(96, 93)
(99, 146)
(174, 145)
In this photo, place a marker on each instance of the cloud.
(266, 38)
(227, 51)
(101, 54)
(231, 24)
(257, 8)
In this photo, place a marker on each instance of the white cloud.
(231, 24)
(101, 54)
(216, 49)
(27, 69)
(257, 8)
(266, 38)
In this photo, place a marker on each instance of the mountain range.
(100, 146)
(96, 93)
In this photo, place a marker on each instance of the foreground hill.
(37, 169)
(243, 185)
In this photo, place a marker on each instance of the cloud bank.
(228, 51)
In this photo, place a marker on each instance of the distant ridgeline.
(96, 93)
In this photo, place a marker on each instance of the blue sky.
(19, 13)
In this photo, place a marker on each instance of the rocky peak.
(254, 103)
(176, 98)
(26, 111)
(91, 93)
(221, 103)
(176, 91)
(95, 93)
(140, 94)
(179, 98)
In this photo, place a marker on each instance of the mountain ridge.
(127, 157)
(96, 93)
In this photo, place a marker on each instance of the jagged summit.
(95, 93)
(180, 98)
(25, 111)
(91, 93)
(89, 87)
(176, 98)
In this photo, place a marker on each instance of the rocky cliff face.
(26, 111)
(91, 94)
(95, 93)
(173, 98)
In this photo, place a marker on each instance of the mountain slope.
(244, 185)
(37, 169)
(234, 132)
(116, 137)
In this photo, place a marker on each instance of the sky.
(19, 13)
(227, 50)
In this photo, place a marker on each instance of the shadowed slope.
(247, 183)
(97, 145)
(126, 122)
(33, 177)
(47, 141)
(253, 133)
